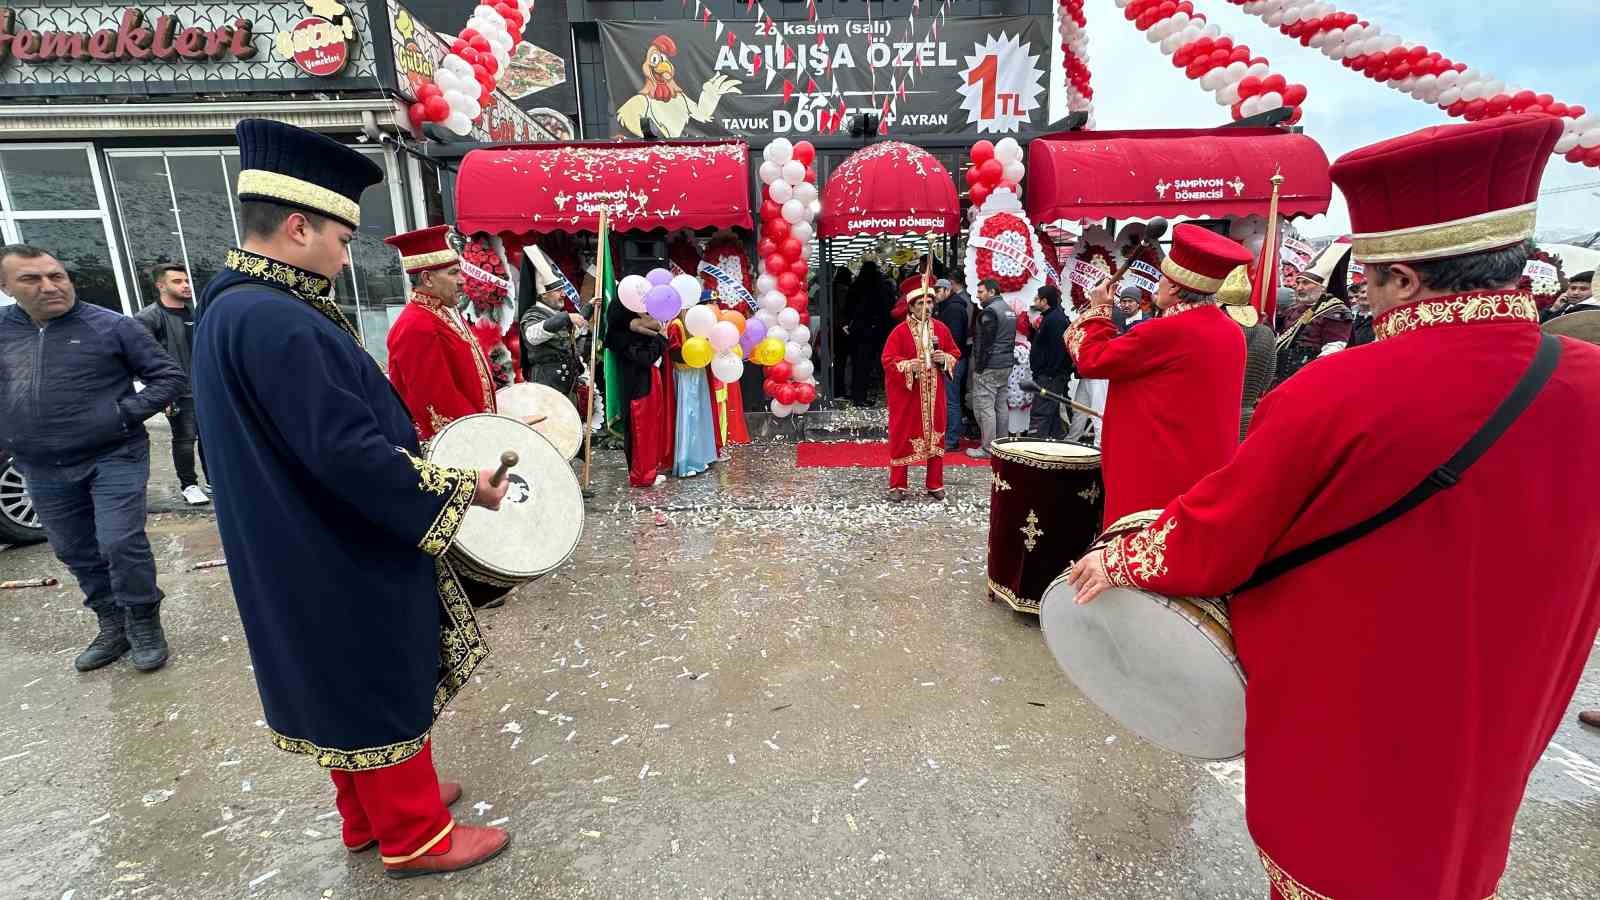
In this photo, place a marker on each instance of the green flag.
(616, 402)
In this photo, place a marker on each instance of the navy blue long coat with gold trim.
(333, 526)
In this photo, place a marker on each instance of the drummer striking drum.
(1405, 673)
(436, 365)
(334, 526)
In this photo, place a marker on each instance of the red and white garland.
(995, 165)
(1244, 83)
(464, 82)
(1425, 74)
(789, 206)
(1075, 58)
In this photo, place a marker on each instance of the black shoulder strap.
(1510, 409)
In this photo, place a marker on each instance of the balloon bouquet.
(781, 327)
(464, 82)
(717, 338)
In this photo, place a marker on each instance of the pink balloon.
(724, 336)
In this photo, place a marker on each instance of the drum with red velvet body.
(1164, 667)
(1046, 500)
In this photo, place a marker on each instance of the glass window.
(48, 179)
(81, 246)
(205, 213)
(149, 228)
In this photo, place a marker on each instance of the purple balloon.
(663, 302)
(754, 331)
(659, 277)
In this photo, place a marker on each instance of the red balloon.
(776, 265)
(467, 34)
(438, 110)
(1475, 109)
(979, 193)
(805, 393)
(790, 248)
(777, 229)
(1198, 69)
(771, 213)
(428, 89)
(1418, 52)
(780, 372)
(1524, 99)
(1456, 109)
(805, 318)
(1498, 104)
(788, 282)
(1400, 72)
(1183, 56)
(982, 152)
(1557, 109)
(1294, 117)
(459, 45)
(1274, 84)
(486, 98)
(1594, 156)
(1294, 95)
(1222, 43)
(1546, 100)
(1218, 57)
(418, 114)
(805, 151)
(490, 64)
(479, 73)
(1239, 54)
(811, 174)
(1238, 111)
(798, 301)
(991, 171)
(1574, 111)
(771, 385)
(1577, 155)
(800, 267)
(766, 247)
(787, 393)
(1249, 86)
(972, 175)
(470, 54)
(481, 44)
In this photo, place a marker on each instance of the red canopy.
(563, 187)
(1196, 173)
(889, 188)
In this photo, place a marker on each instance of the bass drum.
(1164, 667)
(540, 521)
(562, 426)
(1045, 503)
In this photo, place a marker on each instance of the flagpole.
(1267, 282)
(596, 310)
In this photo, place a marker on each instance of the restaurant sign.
(135, 37)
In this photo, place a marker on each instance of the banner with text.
(687, 79)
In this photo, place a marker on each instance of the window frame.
(9, 218)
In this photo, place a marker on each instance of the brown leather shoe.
(449, 793)
(470, 845)
(1590, 717)
(937, 493)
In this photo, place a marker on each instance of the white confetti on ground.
(859, 785)
(500, 821)
(257, 881)
(540, 759)
(619, 740)
(511, 728)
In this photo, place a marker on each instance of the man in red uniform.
(435, 363)
(1172, 409)
(918, 350)
(1403, 684)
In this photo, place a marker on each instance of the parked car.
(18, 523)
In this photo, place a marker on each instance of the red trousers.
(649, 434)
(398, 805)
(899, 478)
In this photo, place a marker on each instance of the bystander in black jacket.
(955, 311)
(1048, 356)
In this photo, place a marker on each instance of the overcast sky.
(1551, 46)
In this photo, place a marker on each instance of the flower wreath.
(1098, 256)
(1544, 291)
(1006, 269)
(487, 299)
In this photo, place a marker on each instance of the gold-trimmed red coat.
(1401, 688)
(437, 366)
(916, 399)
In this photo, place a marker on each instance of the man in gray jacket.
(994, 353)
(171, 320)
(74, 424)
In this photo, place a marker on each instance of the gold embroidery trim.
(1500, 228)
(1091, 493)
(1031, 531)
(1076, 331)
(1462, 309)
(1306, 318)
(485, 380)
(352, 760)
(929, 445)
(313, 289)
(1086, 462)
(1191, 279)
(1285, 884)
(1137, 557)
(434, 260)
(457, 486)
(1011, 599)
(997, 483)
(432, 842)
(435, 420)
(278, 186)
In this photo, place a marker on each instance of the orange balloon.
(734, 316)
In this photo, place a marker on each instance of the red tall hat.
(1447, 191)
(425, 249)
(1201, 260)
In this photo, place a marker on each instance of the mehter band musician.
(919, 355)
(1411, 635)
(334, 526)
(1172, 410)
(437, 366)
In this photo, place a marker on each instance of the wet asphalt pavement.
(789, 689)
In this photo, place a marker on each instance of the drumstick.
(531, 421)
(1086, 410)
(507, 460)
(1154, 230)
(46, 581)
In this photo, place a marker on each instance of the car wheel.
(18, 522)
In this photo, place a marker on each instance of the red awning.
(889, 188)
(1194, 173)
(563, 187)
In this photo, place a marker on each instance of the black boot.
(107, 646)
(148, 639)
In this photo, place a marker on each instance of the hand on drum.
(488, 495)
(1088, 576)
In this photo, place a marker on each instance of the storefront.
(116, 147)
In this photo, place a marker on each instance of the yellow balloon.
(697, 352)
(769, 352)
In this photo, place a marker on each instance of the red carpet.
(867, 455)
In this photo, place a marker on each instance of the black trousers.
(185, 431)
(864, 366)
(1047, 420)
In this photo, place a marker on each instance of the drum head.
(562, 425)
(540, 521)
(1150, 668)
(1060, 453)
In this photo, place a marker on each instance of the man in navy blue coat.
(335, 527)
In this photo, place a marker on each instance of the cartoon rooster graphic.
(663, 103)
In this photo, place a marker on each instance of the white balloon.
(1259, 70)
(1229, 95)
(765, 283)
(814, 210)
(1170, 44)
(802, 231)
(805, 192)
(727, 367)
(1212, 80)
(458, 124)
(1250, 106)
(688, 288)
(1449, 78)
(780, 191)
(805, 351)
(1238, 70)
(779, 151)
(794, 172)
(769, 172)
(1586, 121)
(1156, 33)
(768, 318)
(457, 101)
(1213, 31)
(805, 251)
(1568, 142)
(793, 211)
(788, 318)
(773, 301)
(1271, 101)
(800, 334)
(778, 332)
(1493, 88)
(1008, 150)
(779, 410)
(791, 353)
(1589, 139)
(460, 66)
(699, 320)
(803, 371)
(1015, 170)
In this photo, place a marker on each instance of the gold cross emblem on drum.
(1031, 531)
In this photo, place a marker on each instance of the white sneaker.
(195, 496)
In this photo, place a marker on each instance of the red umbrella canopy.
(889, 188)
